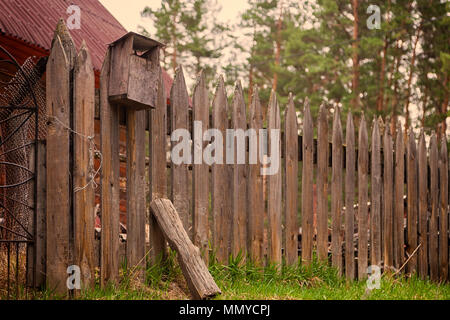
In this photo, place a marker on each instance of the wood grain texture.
(255, 188)
(136, 211)
(200, 222)
(434, 218)
(336, 193)
(274, 185)
(158, 167)
(363, 188)
(221, 181)
(83, 174)
(239, 190)
(399, 205)
(350, 176)
(412, 196)
(291, 183)
(443, 211)
(109, 147)
(200, 282)
(58, 168)
(375, 209)
(388, 189)
(322, 185)
(180, 172)
(423, 207)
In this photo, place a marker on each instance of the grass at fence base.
(242, 281)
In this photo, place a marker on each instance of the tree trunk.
(355, 46)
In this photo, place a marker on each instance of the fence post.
(179, 100)
(349, 198)
(58, 164)
(291, 182)
(388, 188)
(221, 181)
(158, 167)
(239, 190)
(200, 222)
(423, 207)
(84, 152)
(274, 185)
(443, 210)
(109, 147)
(336, 192)
(434, 223)
(307, 186)
(375, 208)
(412, 187)
(363, 172)
(399, 190)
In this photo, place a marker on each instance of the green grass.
(242, 281)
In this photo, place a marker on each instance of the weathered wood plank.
(200, 222)
(239, 190)
(58, 159)
(349, 198)
(255, 191)
(443, 211)
(274, 181)
(136, 212)
(200, 282)
(180, 172)
(412, 210)
(158, 167)
(434, 222)
(322, 184)
(84, 152)
(363, 188)
(375, 209)
(291, 182)
(388, 189)
(336, 193)
(399, 206)
(221, 202)
(109, 147)
(423, 207)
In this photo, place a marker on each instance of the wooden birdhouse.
(134, 71)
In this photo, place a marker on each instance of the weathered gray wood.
(363, 188)
(349, 198)
(136, 212)
(109, 147)
(412, 196)
(274, 184)
(200, 104)
(291, 182)
(221, 183)
(443, 211)
(336, 193)
(399, 206)
(423, 207)
(239, 190)
(388, 189)
(256, 205)
(307, 186)
(375, 208)
(158, 167)
(434, 222)
(322, 185)
(200, 282)
(58, 158)
(179, 100)
(84, 197)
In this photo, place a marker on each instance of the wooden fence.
(351, 209)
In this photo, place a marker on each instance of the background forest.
(332, 52)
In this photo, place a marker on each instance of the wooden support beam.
(201, 283)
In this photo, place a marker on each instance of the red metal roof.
(34, 21)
